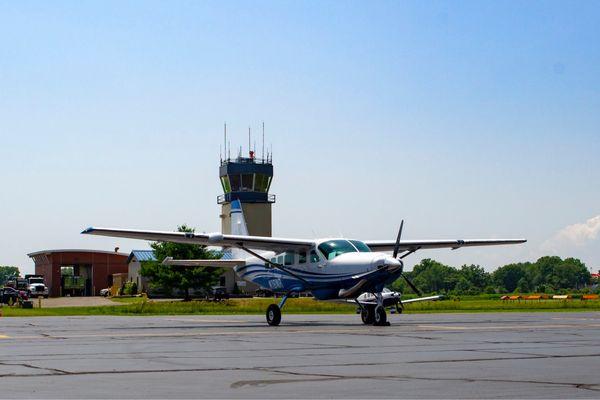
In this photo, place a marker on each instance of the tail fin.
(238, 222)
(238, 227)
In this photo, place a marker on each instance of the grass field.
(138, 306)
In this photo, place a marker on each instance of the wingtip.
(87, 231)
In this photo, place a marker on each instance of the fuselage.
(326, 268)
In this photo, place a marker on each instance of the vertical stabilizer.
(238, 222)
(238, 226)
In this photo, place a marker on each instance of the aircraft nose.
(391, 262)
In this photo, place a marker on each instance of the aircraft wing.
(207, 239)
(203, 263)
(413, 245)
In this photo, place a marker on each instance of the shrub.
(130, 288)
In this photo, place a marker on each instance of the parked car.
(263, 293)
(105, 292)
(219, 293)
(12, 296)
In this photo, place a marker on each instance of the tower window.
(235, 182)
(261, 183)
(225, 184)
(247, 182)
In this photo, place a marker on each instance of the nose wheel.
(380, 317)
(367, 315)
(374, 315)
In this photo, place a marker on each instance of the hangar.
(77, 272)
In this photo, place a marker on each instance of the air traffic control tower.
(247, 179)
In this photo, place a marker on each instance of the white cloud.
(574, 235)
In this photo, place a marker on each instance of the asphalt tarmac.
(508, 355)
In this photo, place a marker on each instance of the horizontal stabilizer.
(430, 298)
(203, 263)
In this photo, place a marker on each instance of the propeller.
(397, 246)
(395, 255)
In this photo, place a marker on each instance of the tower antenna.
(249, 142)
(225, 138)
(263, 140)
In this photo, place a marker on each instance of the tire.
(273, 315)
(399, 308)
(380, 316)
(366, 315)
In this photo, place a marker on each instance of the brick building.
(78, 272)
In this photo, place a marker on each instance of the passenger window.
(289, 258)
(302, 257)
(274, 260)
(314, 257)
(280, 259)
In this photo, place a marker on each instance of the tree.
(507, 277)
(184, 278)
(432, 276)
(476, 277)
(463, 286)
(570, 273)
(522, 285)
(7, 272)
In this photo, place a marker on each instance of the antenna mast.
(263, 140)
(225, 139)
(249, 142)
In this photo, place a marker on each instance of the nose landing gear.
(371, 314)
(367, 315)
(380, 317)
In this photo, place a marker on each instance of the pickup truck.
(36, 286)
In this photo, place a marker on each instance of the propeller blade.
(397, 246)
(412, 285)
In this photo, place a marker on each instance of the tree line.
(548, 274)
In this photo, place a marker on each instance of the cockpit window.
(334, 248)
(360, 246)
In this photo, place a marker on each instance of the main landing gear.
(274, 311)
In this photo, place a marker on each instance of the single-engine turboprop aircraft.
(331, 269)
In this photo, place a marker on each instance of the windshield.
(360, 246)
(36, 280)
(334, 248)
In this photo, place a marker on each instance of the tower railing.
(228, 197)
(246, 160)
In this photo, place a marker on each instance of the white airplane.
(330, 268)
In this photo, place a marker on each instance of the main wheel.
(366, 315)
(380, 316)
(273, 315)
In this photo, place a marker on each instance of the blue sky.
(467, 119)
